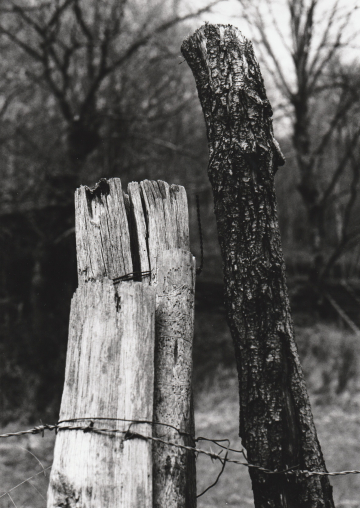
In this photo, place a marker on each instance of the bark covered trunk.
(276, 423)
(308, 186)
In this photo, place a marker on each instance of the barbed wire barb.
(89, 427)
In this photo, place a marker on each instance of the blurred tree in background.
(302, 45)
(89, 78)
(92, 89)
(87, 90)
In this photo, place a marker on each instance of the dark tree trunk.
(308, 185)
(83, 138)
(276, 423)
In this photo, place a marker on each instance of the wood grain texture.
(276, 423)
(180, 214)
(161, 222)
(138, 227)
(166, 214)
(174, 469)
(109, 373)
(110, 362)
(102, 231)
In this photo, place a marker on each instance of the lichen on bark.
(276, 423)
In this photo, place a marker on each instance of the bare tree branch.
(346, 237)
(322, 64)
(105, 70)
(17, 9)
(96, 72)
(169, 146)
(142, 41)
(314, 46)
(25, 47)
(277, 27)
(324, 40)
(340, 167)
(55, 17)
(7, 102)
(340, 113)
(80, 19)
(261, 26)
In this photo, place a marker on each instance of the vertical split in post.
(166, 226)
(109, 368)
(110, 359)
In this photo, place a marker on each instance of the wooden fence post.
(110, 360)
(174, 469)
(163, 218)
(109, 368)
(276, 423)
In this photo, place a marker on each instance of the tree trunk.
(276, 423)
(309, 186)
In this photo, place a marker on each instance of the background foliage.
(92, 89)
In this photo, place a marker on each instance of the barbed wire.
(128, 434)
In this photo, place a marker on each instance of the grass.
(337, 420)
(330, 358)
(21, 458)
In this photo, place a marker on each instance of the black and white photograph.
(180, 254)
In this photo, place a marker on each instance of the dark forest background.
(93, 89)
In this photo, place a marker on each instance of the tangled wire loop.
(128, 434)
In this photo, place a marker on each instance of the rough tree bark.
(276, 423)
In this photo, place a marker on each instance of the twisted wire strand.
(131, 276)
(40, 429)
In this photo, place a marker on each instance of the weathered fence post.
(112, 369)
(174, 469)
(163, 221)
(276, 423)
(109, 368)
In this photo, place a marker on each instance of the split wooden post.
(276, 423)
(174, 468)
(163, 221)
(111, 366)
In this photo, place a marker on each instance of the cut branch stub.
(276, 423)
(232, 91)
